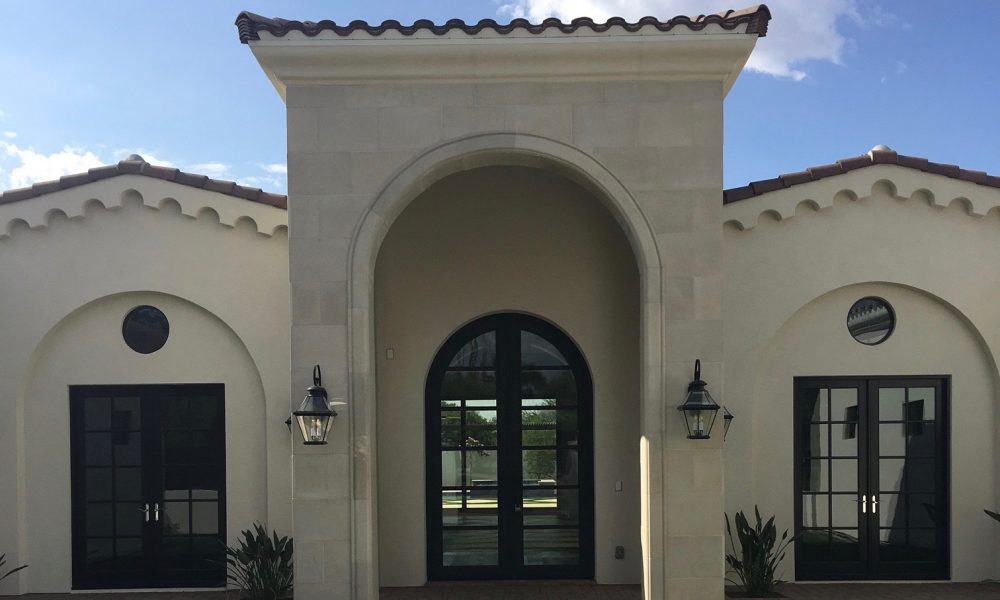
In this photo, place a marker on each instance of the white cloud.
(276, 168)
(799, 31)
(34, 166)
(212, 169)
(10, 134)
(268, 184)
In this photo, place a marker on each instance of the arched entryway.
(505, 239)
(509, 433)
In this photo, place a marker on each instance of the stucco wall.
(505, 239)
(65, 286)
(884, 231)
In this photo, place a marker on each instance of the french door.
(509, 454)
(148, 486)
(871, 478)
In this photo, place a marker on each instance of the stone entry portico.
(630, 113)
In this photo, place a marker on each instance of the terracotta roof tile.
(796, 178)
(824, 171)
(767, 185)
(879, 155)
(249, 25)
(135, 165)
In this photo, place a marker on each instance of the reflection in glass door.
(871, 478)
(510, 463)
(148, 486)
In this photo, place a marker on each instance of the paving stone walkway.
(552, 590)
(514, 590)
(892, 591)
(590, 591)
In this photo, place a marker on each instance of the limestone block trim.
(895, 181)
(431, 166)
(134, 191)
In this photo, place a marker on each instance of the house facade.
(506, 246)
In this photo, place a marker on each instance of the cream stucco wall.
(69, 274)
(884, 231)
(505, 239)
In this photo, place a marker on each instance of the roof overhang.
(714, 51)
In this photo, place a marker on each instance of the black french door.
(871, 478)
(509, 454)
(148, 486)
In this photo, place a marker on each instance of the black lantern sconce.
(315, 415)
(727, 420)
(699, 408)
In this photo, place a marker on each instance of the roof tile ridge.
(249, 25)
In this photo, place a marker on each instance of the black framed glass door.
(148, 486)
(871, 478)
(509, 454)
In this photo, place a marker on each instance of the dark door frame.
(508, 327)
(869, 567)
(152, 482)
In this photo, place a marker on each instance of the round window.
(871, 320)
(145, 329)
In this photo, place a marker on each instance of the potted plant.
(261, 565)
(756, 560)
(3, 561)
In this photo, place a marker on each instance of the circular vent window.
(871, 320)
(145, 329)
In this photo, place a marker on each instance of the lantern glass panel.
(314, 428)
(699, 422)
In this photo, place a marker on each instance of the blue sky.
(87, 83)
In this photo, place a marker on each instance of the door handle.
(156, 512)
(874, 503)
(517, 507)
(864, 503)
(145, 509)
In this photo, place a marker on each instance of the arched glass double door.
(509, 454)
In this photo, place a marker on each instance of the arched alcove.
(932, 340)
(86, 348)
(489, 240)
(455, 157)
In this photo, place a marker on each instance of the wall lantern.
(727, 420)
(315, 414)
(699, 408)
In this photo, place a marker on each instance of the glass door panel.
(909, 487)
(549, 455)
(108, 532)
(829, 476)
(469, 456)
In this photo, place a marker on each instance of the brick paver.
(892, 591)
(590, 591)
(514, 590)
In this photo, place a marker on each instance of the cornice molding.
(492, 58)
(133, 191)
(897, 181)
